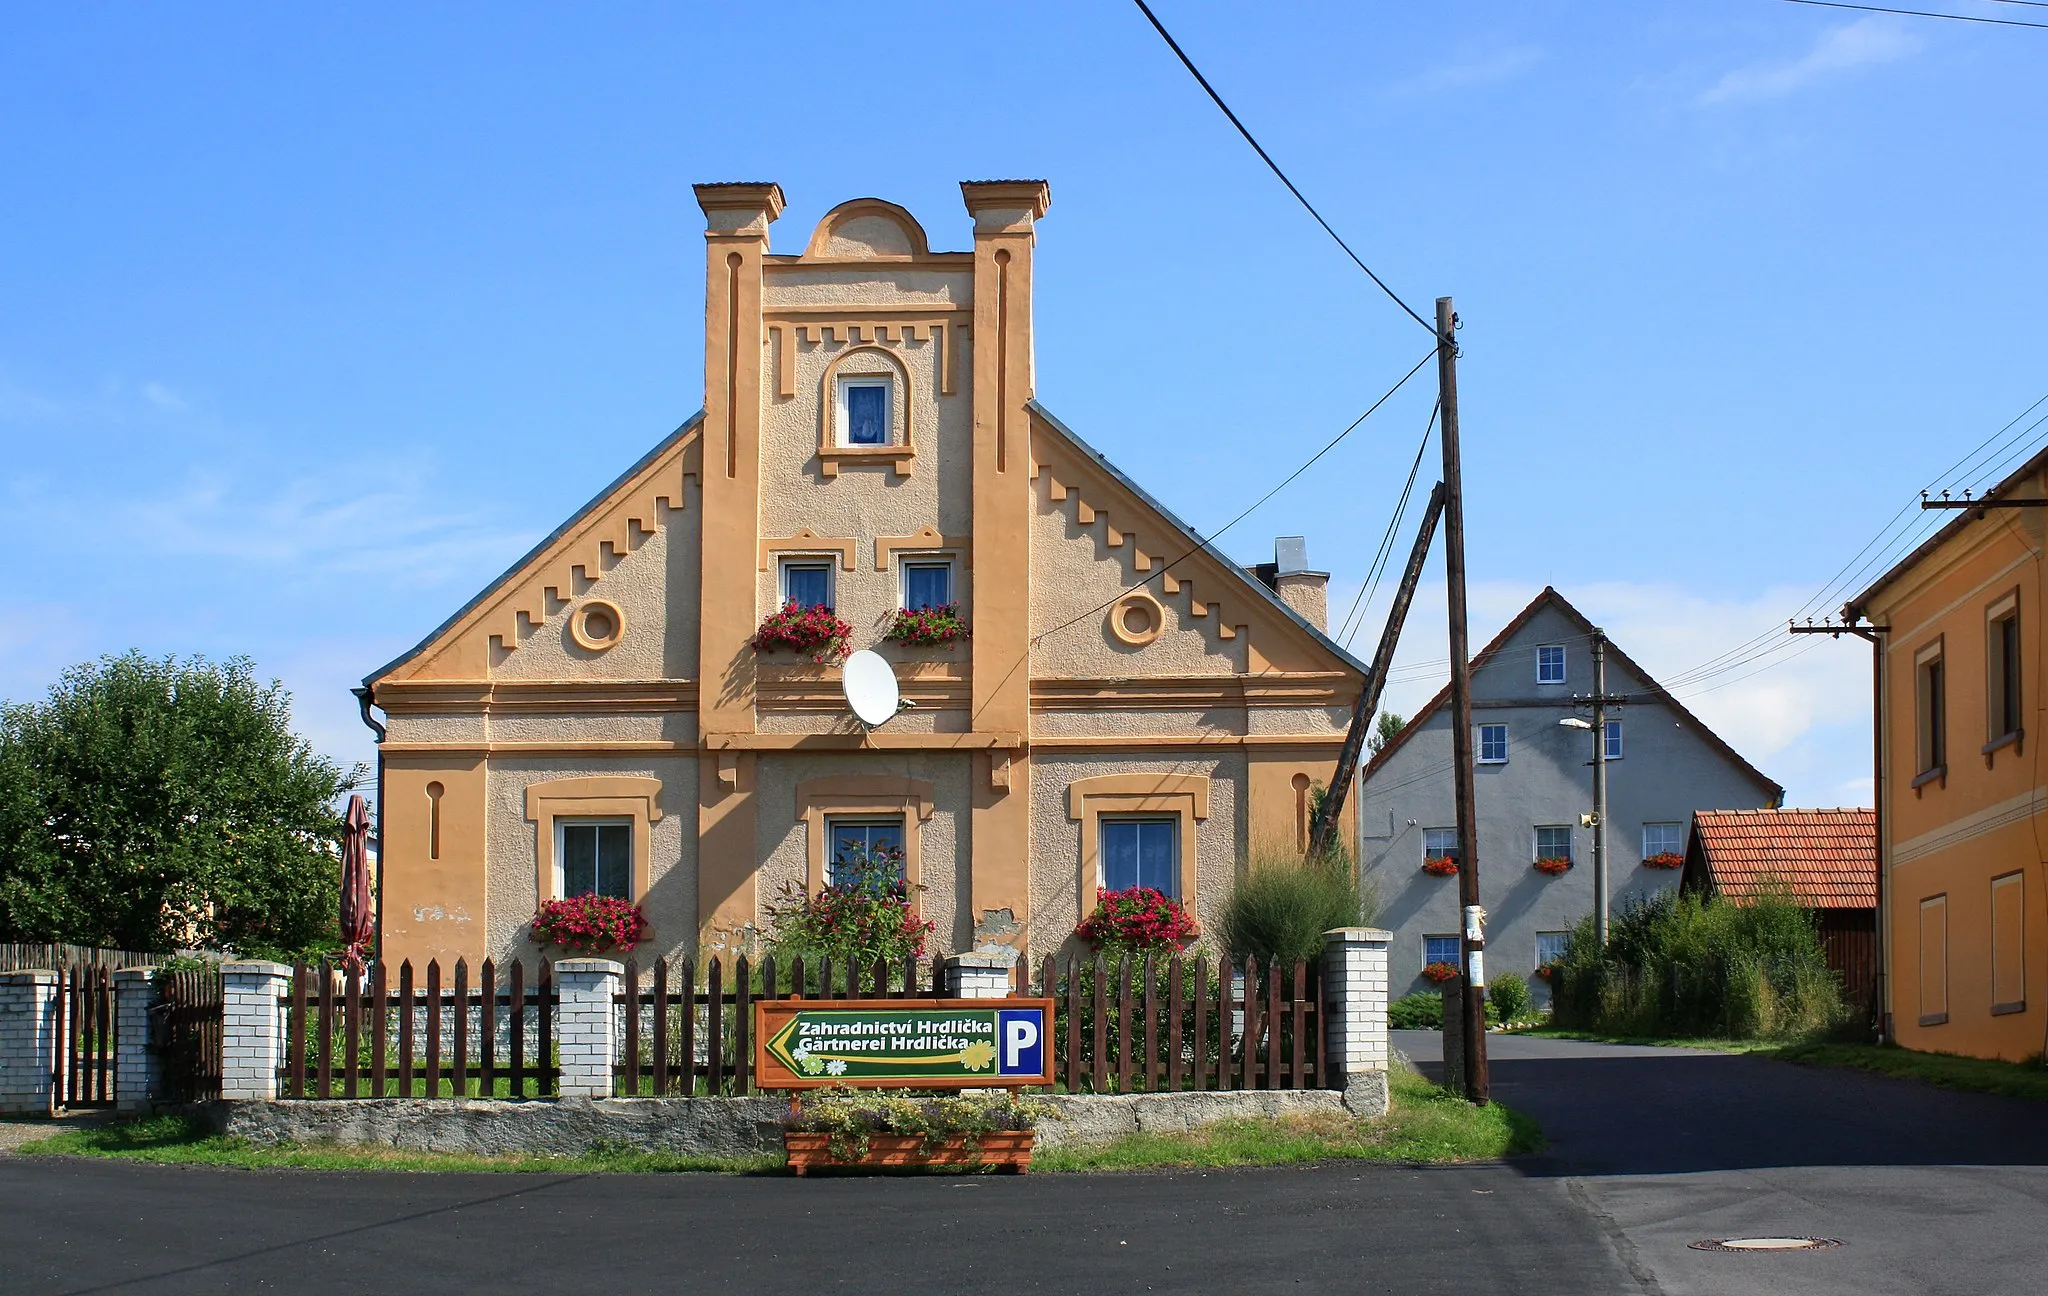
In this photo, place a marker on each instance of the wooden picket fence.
(21, 957)
(1149, 1024)
(687, 1038)
(186, 1022)
(351, 1035)
(85, 1024)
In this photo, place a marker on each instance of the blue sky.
(299, 304)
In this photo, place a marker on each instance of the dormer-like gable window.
(864, 414)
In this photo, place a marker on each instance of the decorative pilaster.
(587, 1025)
(1355, 1024)
(252, 1028)
(138, 1070)
(28, 1042)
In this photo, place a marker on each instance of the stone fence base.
(709, 1126)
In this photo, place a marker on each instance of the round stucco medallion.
(597, 625)
(1136, 619)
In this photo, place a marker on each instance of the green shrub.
(1684, 965)
(1283, 904)
(864, 915)
(1509, 997)
(1423, 1010)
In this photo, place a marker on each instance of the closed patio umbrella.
(358, 918)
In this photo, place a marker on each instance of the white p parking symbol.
(1019, 1034)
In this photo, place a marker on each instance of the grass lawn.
(1425, 1125)
(1659, 1041)
(1944, 1070)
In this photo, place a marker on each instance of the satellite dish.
(870, 688)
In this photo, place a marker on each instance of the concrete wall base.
(713, 1126)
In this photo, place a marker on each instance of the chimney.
(1307, 592)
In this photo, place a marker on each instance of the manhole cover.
(1766, 1244)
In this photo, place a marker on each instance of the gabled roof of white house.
(1550, 598)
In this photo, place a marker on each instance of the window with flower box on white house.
(1440, 843)
(1440, 949)
(1663, 839)
(1553, 841)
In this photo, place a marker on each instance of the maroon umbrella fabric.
(358, 915)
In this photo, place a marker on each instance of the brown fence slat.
(686, 1049)
(1073, 1022)
(515, 1032)
(628, 1068)
(743, 1023)
(1201, 1024)
(459, 1080)
(1249, 1005)
(405, 1002)
(352, 1028)
(1271, 1021)
(1151, 1032)
(295, 1023)
(660, 1027)
(380, 1027)
(546, 1075)
(1175, 1001)
(324, 1030)
(1125, 1035)
(1298, 1075)
(937, 988)
(433, 1028)
(1098, 1070)
(487, 1030)
(714, 1029)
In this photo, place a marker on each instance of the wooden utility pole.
(1600, 783)
(1325, 829)
(1473, 966)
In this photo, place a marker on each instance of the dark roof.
(1657, 692)
(1827, 857)
(1854, 607)
(536, 551)
(1195, 541)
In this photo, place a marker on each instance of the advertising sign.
(902, 1043)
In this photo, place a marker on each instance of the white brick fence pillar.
(137, 1068)
(28, 1043)
(1355, 1025)
(252, 1031)
(587, 1025)
(977, 976)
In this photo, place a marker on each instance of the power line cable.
(1267, 158)
(1202, 542)
(1919, 13)
(1371, 584)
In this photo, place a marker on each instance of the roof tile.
(1829, 857)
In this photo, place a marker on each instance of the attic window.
(864, 411)
(1550, 663)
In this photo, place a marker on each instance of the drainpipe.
(365, 699)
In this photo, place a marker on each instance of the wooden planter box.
(1010, 1149)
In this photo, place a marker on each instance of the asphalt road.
(1929, 1191)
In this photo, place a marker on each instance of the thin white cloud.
(162, 397)
(1486, 70)
(1862, 43)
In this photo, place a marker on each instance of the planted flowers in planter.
(1439, 972)
(590, 924)
(813, 631)
(841, 1127)
(1664, 860)
(1554, 865)
(927, 626)
(1440, 866)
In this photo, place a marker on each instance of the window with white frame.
(594, 857)
(1440, 843)
(1663, 839)
(1550, 947)
(864, 414)
(1440, 949)
(1553, 841)
(927, 583)
(1550, 663)
(1493, 744)
(1614, 740)
(853, 844)
(807, 582)
(1141, 852)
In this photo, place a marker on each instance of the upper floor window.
(1614, 740)
(807, 582)
(864, 411)
(1663, 839)
(1550, 663)
(2002, 667)
(927, 583)
(1440, 843)
(594, 857)
(1493, 744)
(1553, 841)
(1930, 690)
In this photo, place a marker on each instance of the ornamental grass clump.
(813, 631)
(1283, 904)
(927, 626)
(1134, 920)
(1701, 967)
(862, 915)
(590, 924)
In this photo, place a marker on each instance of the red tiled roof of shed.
(1829, 857)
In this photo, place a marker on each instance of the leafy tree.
(149, 805)
(1383, 731)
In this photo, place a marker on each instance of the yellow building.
(1963, 812)
(1129, 704)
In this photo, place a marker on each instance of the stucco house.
(1129, 704)
(1534, 782)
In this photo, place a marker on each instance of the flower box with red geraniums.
(1554, 865)
(813, 631)
(1664, 860)
(589, 924)
(1440, 972)
(1440, 866)
(927, 627)
(1543, 973)
(1136, 918)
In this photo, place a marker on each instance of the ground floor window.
(854, 843)
(1663, 839)
(594, 857)
(1934, 960)
(1553, 841)
(1440, 949)
(1550, 947)
(1141, 852)
(1440, 843)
